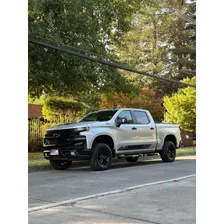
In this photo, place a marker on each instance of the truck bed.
(161, 128)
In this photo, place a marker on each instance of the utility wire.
(104, 61)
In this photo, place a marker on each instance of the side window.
(126, 114)
(141, 117)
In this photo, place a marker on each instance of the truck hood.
(80, 124)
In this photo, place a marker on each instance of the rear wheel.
(101, 157)
(132, 159)
(60, 164)
(168, 153)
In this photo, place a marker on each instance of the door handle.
(151, 128)
(134, 128)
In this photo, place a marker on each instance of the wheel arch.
(171, 138)
(107, 140)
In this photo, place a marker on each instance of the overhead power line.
(104, 61)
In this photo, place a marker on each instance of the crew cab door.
(145, 129)
(125, 134)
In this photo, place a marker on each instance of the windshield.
(105, 115)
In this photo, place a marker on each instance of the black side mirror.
(120, 121)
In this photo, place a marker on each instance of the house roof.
(35, 111)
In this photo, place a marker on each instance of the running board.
(137, 155)
(129, 156)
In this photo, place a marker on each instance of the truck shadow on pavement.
(116, 164)
(123, 164)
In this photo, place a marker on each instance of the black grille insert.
(59, 137)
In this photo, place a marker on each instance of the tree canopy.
(147, 99)
(162, 43)
(82, 24)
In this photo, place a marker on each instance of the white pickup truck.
(105, 134)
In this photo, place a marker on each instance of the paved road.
(155, 202)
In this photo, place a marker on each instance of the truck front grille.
(59, 137)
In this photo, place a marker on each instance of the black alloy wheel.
(171, 151)
(101, 157)
(168, 153)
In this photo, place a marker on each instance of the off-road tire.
(101, 157)
(60, 164)
(168, 153)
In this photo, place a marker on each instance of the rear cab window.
(141, 117)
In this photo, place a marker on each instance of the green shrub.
(60, 110)
(181, 107)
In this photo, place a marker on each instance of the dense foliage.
(82, 24)
(162, 43)
(146, 99)
(181, 107)
(62, 110)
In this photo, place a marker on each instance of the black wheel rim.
(63, 163)
(103, 158)
(171, 151)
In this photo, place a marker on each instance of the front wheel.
(101, 157)
(168, 153)
(60, 164)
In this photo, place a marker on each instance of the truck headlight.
(81, 129)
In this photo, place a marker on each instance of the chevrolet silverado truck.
(103, 135)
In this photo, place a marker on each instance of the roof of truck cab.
(123, 108)
(131, 109)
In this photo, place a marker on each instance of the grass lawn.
(44, 163)
(35, 155)
(181, 152)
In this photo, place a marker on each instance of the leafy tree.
(182, 44)
(162, 43)
(142, 46)
(147, 99)
(181, 107)
(82, 24)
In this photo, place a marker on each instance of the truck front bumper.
(75, 152)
